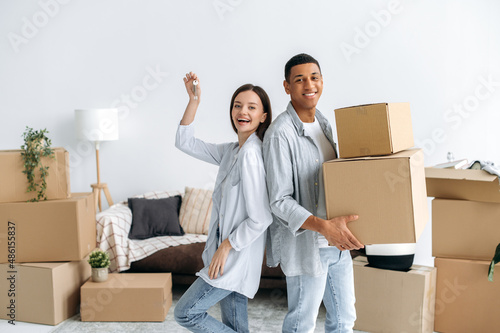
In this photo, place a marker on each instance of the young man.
(295, 146)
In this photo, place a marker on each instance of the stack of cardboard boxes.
(380, 179)
(43, 244)
(377, 176)
(465, 234)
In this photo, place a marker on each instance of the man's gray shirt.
(292, 167)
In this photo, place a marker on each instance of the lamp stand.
(100, 186)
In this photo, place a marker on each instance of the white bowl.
(396, 249)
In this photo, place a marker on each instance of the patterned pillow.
(196, 208)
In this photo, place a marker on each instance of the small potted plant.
(99, 261)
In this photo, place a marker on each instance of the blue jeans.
(335, 288)
(191, 310)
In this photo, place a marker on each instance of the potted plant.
(99, 261)
(36, 146)
(494, 261)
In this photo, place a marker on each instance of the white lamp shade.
(97, 124)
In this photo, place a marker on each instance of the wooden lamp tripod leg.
(100, 186)
(98, 175)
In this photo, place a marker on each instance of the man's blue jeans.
(335, 288)
(191, 310)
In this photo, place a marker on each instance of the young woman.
(234, 249)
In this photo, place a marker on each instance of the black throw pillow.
(155, 217)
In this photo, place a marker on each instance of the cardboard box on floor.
(387, 192)
(393, 301)
(15, 184)
(52, 230)
(465, 229)
(42, 293)
(462, 184)
(374, 129)
(465, 300)
(127, 297)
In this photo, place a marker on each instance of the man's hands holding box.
(335, 231)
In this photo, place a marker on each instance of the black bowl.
(395, 263)
(398, 257)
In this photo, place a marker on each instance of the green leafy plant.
(36, 146)
(99, 259)
(494, 261)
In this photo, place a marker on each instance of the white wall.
(57, 56)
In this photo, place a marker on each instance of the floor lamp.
(98, 125)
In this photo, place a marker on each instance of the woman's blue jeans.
(191, 310)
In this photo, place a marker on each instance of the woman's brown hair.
(266, 103)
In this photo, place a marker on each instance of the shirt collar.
(251, 138)
(299, 125)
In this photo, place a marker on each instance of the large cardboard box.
(14, 183)
(127, 297)
(42, 293)
(374, 129)
(393, 301)
(386, 192)
(463, 184)
(465, 300)
(52, 230)
(465, 229)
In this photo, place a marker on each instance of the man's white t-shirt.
(326, 153)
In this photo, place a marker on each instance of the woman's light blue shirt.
(240, 208)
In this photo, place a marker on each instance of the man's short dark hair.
(299, 59)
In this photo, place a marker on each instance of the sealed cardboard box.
(394, 301)
(465, 300)
(52, 230)
(374, 129)
(465, 229)
(127, 297)
(463, 184)
(42, 293)
(386, 192)
(15, 184)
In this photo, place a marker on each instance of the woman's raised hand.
(194, 93)
(192, 84)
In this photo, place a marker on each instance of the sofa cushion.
(195, 210)
(155, 217)
(182, 259)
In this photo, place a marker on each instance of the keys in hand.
(195, 83)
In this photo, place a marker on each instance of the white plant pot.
(99, 274)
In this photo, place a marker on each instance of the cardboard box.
(393, 301)
(465, 229)
(127, 297)
(15, 184)
(386, 192)
(52, 230)
(43, 293)
(465, 300)
(463, 184)
(374, 129)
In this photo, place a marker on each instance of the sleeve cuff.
(297, 220)
(233, 245)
